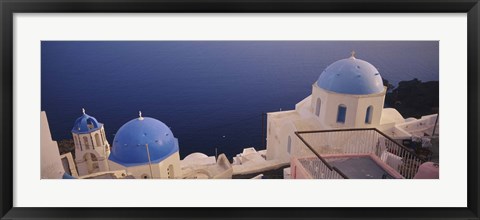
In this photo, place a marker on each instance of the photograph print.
(239, 110)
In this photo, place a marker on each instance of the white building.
(51, 165)
(91, 146)
(200, 166)
(143, 148)
(349, 93)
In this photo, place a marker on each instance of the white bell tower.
(91, 146)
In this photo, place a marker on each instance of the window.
(91, 124)
(92, 163)
(289, 145)
(317, 109)
(85, 142)
(170, 171)
(144, 176)
(97, 140)
(341, 114)
(94, 158)
(368, 115)
(76, 141)
(102, 133)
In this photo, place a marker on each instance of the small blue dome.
(85, 124)
(351, 76)
(129, 145)
(67, 176)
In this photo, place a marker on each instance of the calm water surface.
(211, 94)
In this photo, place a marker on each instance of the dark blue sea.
(210, 93)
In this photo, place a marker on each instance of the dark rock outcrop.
(414, 98)
(65, 146)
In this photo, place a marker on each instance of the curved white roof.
(195, 156)
(390, 115)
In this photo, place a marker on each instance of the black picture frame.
(9, 7)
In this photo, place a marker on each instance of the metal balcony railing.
(315, 145)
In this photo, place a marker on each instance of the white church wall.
(82, 167)
(100, 145)
(304, 107)
(143, 171)
(90, 161)
(332, 103)
(356, 108)
(115, 166)
(169, 165)
(159, 170)
(272, 136)
(376, 101)
(278, 132)
(140, 171)
(316, 96)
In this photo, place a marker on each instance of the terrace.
(363, 153)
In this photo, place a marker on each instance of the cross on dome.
(140, 115)
(352, 54)
(83, 110)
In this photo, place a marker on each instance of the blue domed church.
(349, 93)
(146, 148)
(91, 147)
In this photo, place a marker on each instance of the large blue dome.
(351, 76)
(129, 145)
(85, 124)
